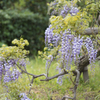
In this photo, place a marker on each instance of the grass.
(51, 90)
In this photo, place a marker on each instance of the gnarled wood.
(85, 74)
(92, 31)
(84, 61)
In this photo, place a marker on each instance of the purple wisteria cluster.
(71, 48)
(90, 48)
(50, 37)
(77, 45)
(66, 48)
(72, 10)
(64, 10)
(9, 71)
(59, 79)
(23, 96)
(54, 11)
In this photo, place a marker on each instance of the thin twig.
(72, 80)
(31, 84)
(35, 76)
(27, 74)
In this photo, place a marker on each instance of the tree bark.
(85, 74)
(84, 61)
(92, 31)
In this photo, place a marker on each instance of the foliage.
(15, 24)
(65, 43)
(10, 58)
(26, 18)
(12, 52)
(37, 6)
(4, 4)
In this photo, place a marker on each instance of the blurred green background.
(24, 18)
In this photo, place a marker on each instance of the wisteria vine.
(70, 44)
(65, 43)
(65, 38)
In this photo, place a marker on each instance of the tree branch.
(35, 76)
(84, 61)
(75, 87)
(55, 76)
(92, 31)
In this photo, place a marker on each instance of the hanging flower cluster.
(50, 37)
(9, 69)
(23, 96)
(10, 58)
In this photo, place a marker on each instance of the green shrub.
(4, 4)
(30, 26)
(39, 6)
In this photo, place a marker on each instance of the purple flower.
(74, 10)
(23, 96)
(7, 77)
(1, 69)
(50, 37)
(77, 45)
(22, 62)
(65, 11)
(7, 67)
(59, 79)
(90, 48)
(15, 74)
(8, 70)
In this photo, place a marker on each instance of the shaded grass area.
(51, 90)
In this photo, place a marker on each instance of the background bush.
(31, 26)
(24, 18)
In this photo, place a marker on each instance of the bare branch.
(72, 81)
(55, 76)
(75, 87)
(31, 84)
(35, 76)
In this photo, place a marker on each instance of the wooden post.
(85, 74)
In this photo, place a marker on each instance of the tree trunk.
(85, 74)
